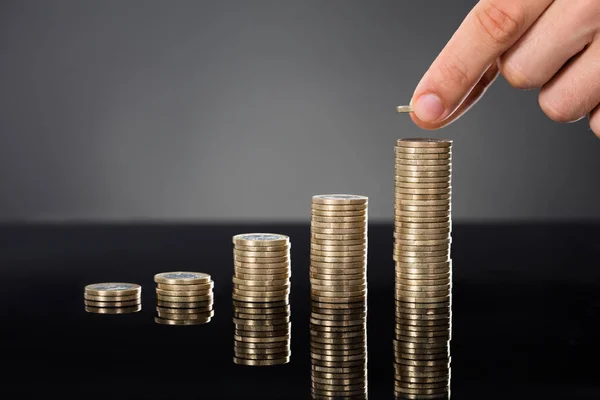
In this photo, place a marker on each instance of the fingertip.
(428, 108)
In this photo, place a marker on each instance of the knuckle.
(557, 107)
(454, 72)
(515, 77)
(501, 24)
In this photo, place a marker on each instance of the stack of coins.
(338, 277)
(113, 298)
(423, 268)
(261, 289)
(184, 298)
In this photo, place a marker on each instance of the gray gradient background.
(241, 110)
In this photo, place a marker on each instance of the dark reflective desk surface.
(526, 314)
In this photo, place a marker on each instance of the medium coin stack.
(113, 298)
(184, 298)
(423, 268)
(261, 290)
(338, 277)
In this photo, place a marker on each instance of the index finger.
(490, 29)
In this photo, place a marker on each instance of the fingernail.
(428, 108)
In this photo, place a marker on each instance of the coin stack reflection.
(423, 268)
(184, 298)
(113, 298)
(261, 289)
(338, 266)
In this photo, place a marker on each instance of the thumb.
(490, 29)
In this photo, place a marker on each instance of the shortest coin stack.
(184, 298)
(261, 310)
(113, 298)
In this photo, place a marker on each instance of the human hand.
(549, 44)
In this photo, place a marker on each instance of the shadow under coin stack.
(261, 289)
(184, 298)
(113, 298)
(423, 268)
(338, 277)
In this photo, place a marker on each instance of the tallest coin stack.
(423, 268)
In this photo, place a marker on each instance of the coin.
(332, 283)
(260, 260)
(182, 278)
(180, 293)
(423, 156)
(260, 283)
(267, 305)
(272, 288)
(340, 248)
(260, 239)
(272, 339)
(286, 247)
(326, 320)
(317, 253)
(169, 315)
(333, 393)
(338, 294)
(342, 289)
(264, 273)
(104, 304)
(361, 263)
(184, 299)
(254, 299)
(422, 150)
(113, 289)
(336, 199)
(338, 207)
(242, 361)
(262, 323)
(344, 299)
(339, 213)
(342, 237)
(340, 271)
(262, 345)
(338, 336)
(265, 294)
(359, 304)
(260, 266)
(331, 346)
(113, 310)
(198, 321)
(263, 311)
(361, 219)
(339, 312)
(423, 142)
(263, 357)
(182, 311)
(262, 334)
(261, 254)
(241, 351)
(178, 304)
(199, 288)
(112, 298)
(338, 242)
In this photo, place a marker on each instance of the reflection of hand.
(552, 45)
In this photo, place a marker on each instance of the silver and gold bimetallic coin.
(113, 298)
(184, 298)
(261, 290)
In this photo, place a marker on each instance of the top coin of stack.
(184, 298)
(261, 289)
(423, 268)
(113, 298)
(338, 296)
